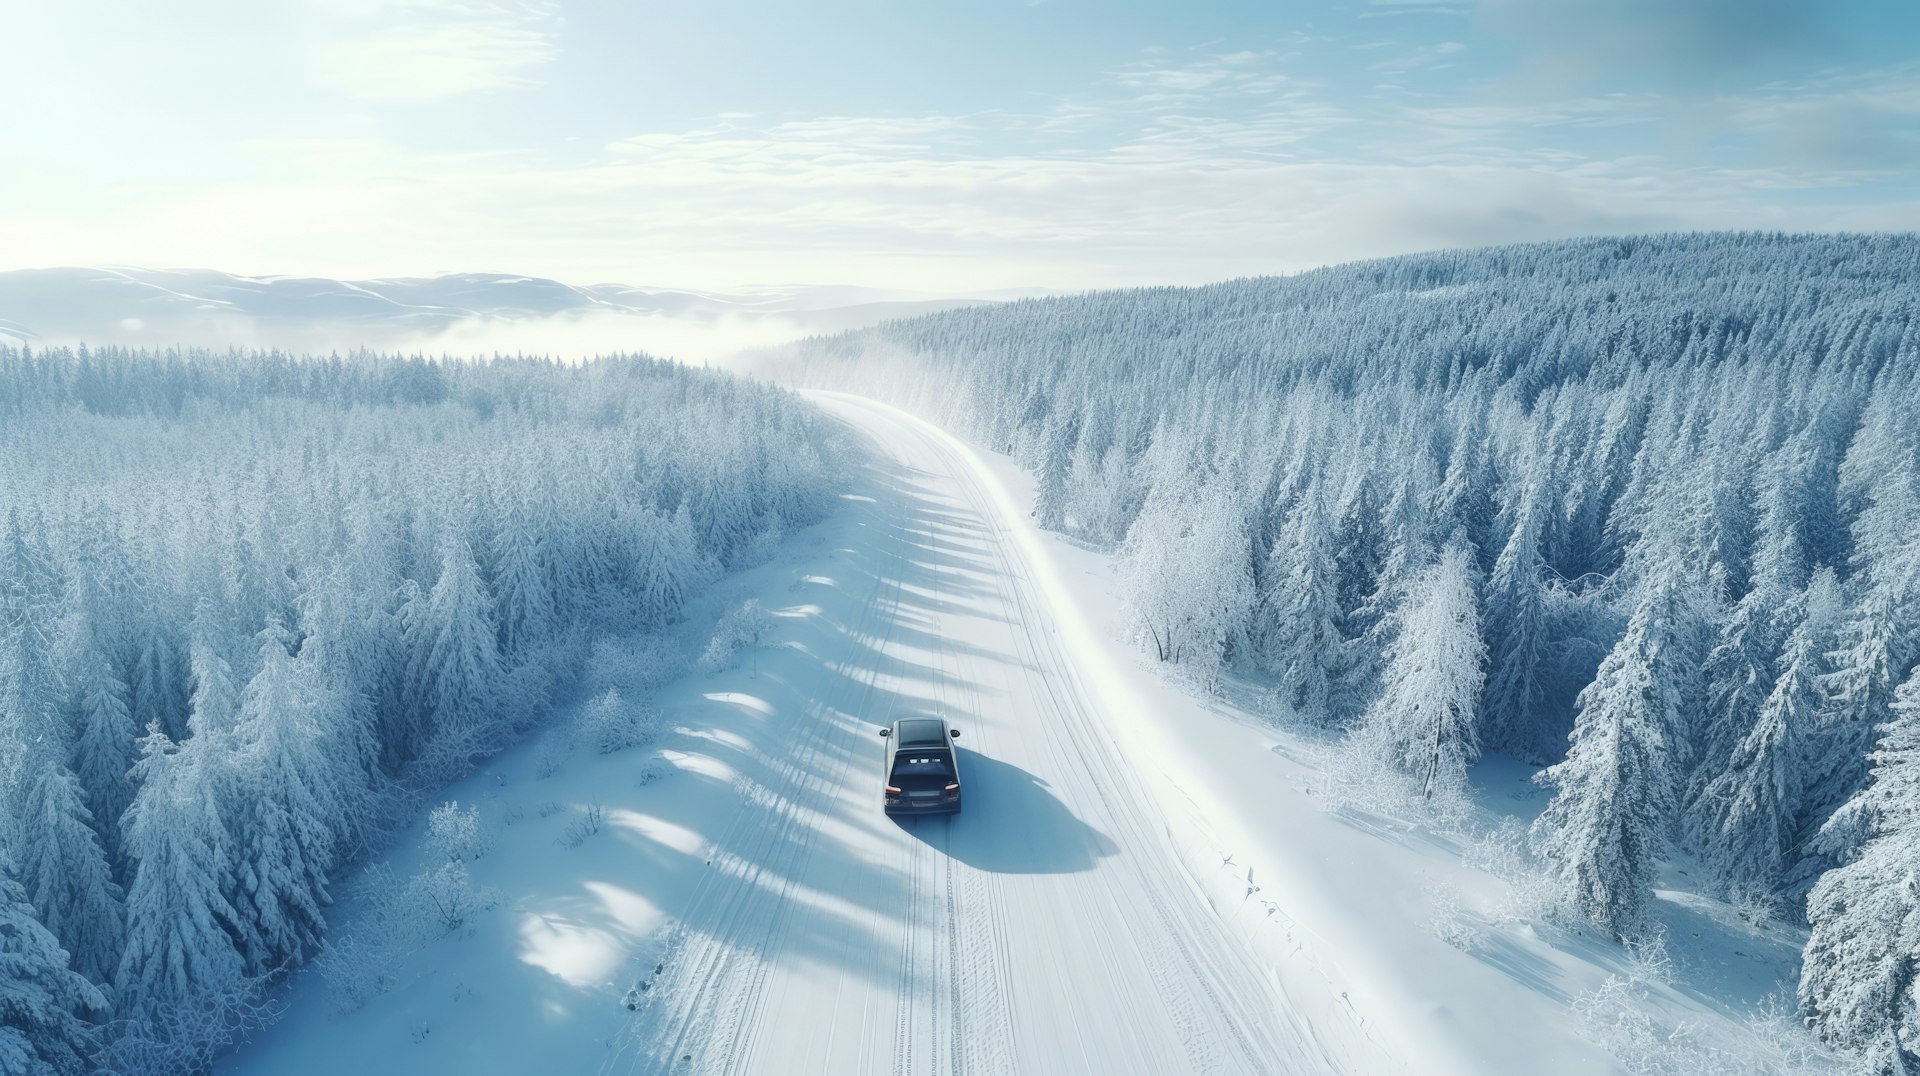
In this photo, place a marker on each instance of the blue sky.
(938, 146)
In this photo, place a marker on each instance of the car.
(923, 769)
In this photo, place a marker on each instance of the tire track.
(715, 972)
(1169, 943)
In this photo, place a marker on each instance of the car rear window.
(923, 764)
(921, 732)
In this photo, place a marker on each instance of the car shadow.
(1010, 822)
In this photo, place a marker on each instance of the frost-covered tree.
(154, 696)
(455, 672)
(103, 744)
(1056, 466)
(1189, 611)
(1516, 628)
(61, 863)
(350, 651)
(1422, 724)
(44, 1005)
(1466, 497)
(454, 834)
(1861, 981)
(669, 562)
(1739, 673)
(522, 584)
(1754, 810)
(213, 706)
(64, 868)
(295, 795)
(1605, 830)
(1407, 548)
(1302, 638)
(180, 927)
(1877, 647)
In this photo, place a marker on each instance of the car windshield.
(922, 732)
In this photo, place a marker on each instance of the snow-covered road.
(1050, 927)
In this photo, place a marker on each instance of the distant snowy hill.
(460, 312)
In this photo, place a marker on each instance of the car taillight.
(955, 787)
(892, 791)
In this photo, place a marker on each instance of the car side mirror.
(884, 733)
(955, 733)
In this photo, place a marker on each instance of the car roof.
(921, 732)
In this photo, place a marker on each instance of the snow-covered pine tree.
(1056, 466)
(64, 868)
(1090, 483)
(103, 745)
(180, 927)
(1514, 615)
(295, 795)
(213, 704)
(1466, 495)
(1877, 647)
(454, 675)
(522, 582)
(153, 689)
(1753, 811)
(665, 551)
(1422, 724)
(44, 1005)
(1605, 830)
(1739, 669)
(30, 594)
(1860, 983)
(1301, 637)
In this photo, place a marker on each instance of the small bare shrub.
(552, 754)
(586, 825)
(447, 895)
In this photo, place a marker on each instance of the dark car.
(923, 771)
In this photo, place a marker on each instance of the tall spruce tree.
(44, 1004)
(1756, 807)
(1860, 983)
(1606, 829)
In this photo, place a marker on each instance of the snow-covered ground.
(1142, 881)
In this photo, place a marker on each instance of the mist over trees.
(254, 607)
(1683, 473)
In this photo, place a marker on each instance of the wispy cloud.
(426, 50)
(1242, 72)
(1437, 56)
